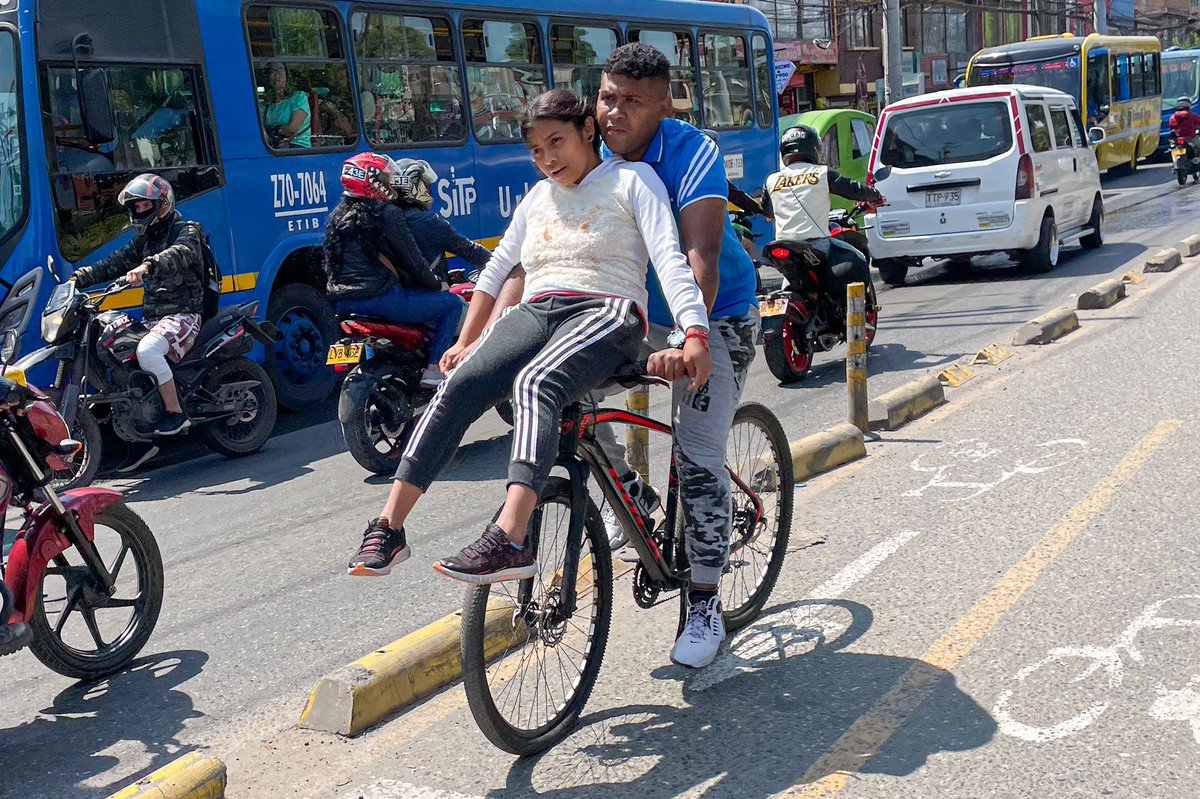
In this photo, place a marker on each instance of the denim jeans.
(440, 310)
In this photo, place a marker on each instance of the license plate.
(344, 353)
(1178, 152)
(941, 199)
(774, 307)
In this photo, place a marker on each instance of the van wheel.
(892, 270)
(1095, 239)
(1044, 256)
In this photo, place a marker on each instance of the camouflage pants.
(701, 422)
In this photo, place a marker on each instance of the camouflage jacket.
(175, 281)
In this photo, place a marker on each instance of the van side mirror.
(10, 342)
(1097, 135)
(94, 105)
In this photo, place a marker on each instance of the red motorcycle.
(83, 583)
(382, 394)
(806, 318)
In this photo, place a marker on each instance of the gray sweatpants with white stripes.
(545, 355)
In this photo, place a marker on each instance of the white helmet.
(414, 181)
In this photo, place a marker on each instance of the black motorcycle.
(228, 397)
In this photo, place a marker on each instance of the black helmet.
(800, 143)
(158, 191)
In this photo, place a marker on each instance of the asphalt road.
(258, 606)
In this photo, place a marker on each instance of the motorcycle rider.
(799, 199)
(374, 265)
(166, 259)
(1185, 124)
(412, 183)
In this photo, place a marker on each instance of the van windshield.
(950, 133)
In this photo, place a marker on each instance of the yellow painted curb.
(1102, 295)
(1164, 261)
(827, 450)
(897, 408)
(1048, 327)
(193, 776)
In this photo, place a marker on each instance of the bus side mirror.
(1097, 135)
(98, 125)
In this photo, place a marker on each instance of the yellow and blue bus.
(197, 91)
(1181, 78)
(1117, 81)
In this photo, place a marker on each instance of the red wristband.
(703, 336)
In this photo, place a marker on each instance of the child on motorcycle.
(413, 181)
(584, 237)
(165, 258)
(375, 267)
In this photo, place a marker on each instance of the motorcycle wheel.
(374, 434)
(86, 463)
(1181, 176)
(789, 354)
(872, 313)
(83, 617)
(248, 429)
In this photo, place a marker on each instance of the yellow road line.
(833, 770)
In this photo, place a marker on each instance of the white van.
(980, 170)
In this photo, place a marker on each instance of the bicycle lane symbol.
(1104, 667)
(972, 467)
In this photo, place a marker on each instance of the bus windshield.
(1062, 73)
(1181, 78)
(12, 156)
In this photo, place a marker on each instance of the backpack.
(211, 278)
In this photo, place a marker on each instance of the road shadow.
(781, 697)
(94, 732)
(882, 358)
(1074, 262)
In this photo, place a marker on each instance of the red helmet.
(369, 176)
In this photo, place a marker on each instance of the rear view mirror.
(94, 105)
(9, 342)
(1097, 135)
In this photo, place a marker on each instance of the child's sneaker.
(382, 548)
(491, 559)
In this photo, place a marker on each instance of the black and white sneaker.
(491, 559)
(172, 423)
(382, 548)
(702, 634)
(644, 497)
(137, 455)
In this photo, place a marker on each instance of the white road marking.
(1182, 705)
(983, 468)
(782, 635)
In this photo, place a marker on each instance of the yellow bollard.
(637, 439)
(856, 353)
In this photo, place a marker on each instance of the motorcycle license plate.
(941, 199)
(1177, 152)
(344, 353)
(773, 308)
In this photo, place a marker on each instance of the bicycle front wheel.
(760, 459)
(528, 666)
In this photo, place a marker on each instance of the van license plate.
(941, 199)
(774, 308)
(344, 353)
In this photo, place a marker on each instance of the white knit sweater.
(596, 238)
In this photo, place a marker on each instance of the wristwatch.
(676, 339)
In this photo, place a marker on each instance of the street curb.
(193, 776)
(1163, 261)
(355, 697)
(1102, 295)
(1189, 246)
(827, 450)
(899, 407)
(1047, 327)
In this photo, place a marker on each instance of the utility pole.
(893, 52)
(1101, 11)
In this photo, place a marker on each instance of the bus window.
(505, 71)
(1039, 129)
(12, 152)
(1097, 87)
(725, 75)
(1152, 74)
(578, 55)
(410, 85)
(1180, 78)
(158, 124)
(302, 79)
(1120, 78)
(1136, 89)
(677, 47)
(764, 80)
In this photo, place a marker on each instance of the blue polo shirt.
(690, 165)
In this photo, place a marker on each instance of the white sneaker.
(613, 528)
(702, 635)
(646, 499)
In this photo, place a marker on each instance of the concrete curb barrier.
(193, 776)
(1102, 295)
(1163, 261)
(1189, 246)
(827, 450)
(1047, 327)
(899, 407)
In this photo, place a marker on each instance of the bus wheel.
(305, 327)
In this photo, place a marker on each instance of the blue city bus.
(1181, 78)
(250, 108)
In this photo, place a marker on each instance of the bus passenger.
(374, 266)
(288, 118)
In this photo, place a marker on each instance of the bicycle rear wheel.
(528, 671)
(760, 458)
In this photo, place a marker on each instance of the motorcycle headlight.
(52, 326)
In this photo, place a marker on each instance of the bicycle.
(512, 630)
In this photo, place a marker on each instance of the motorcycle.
(805, 319)
(382, 393)
(1184, 162)
(83, 583)
(228, 397)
